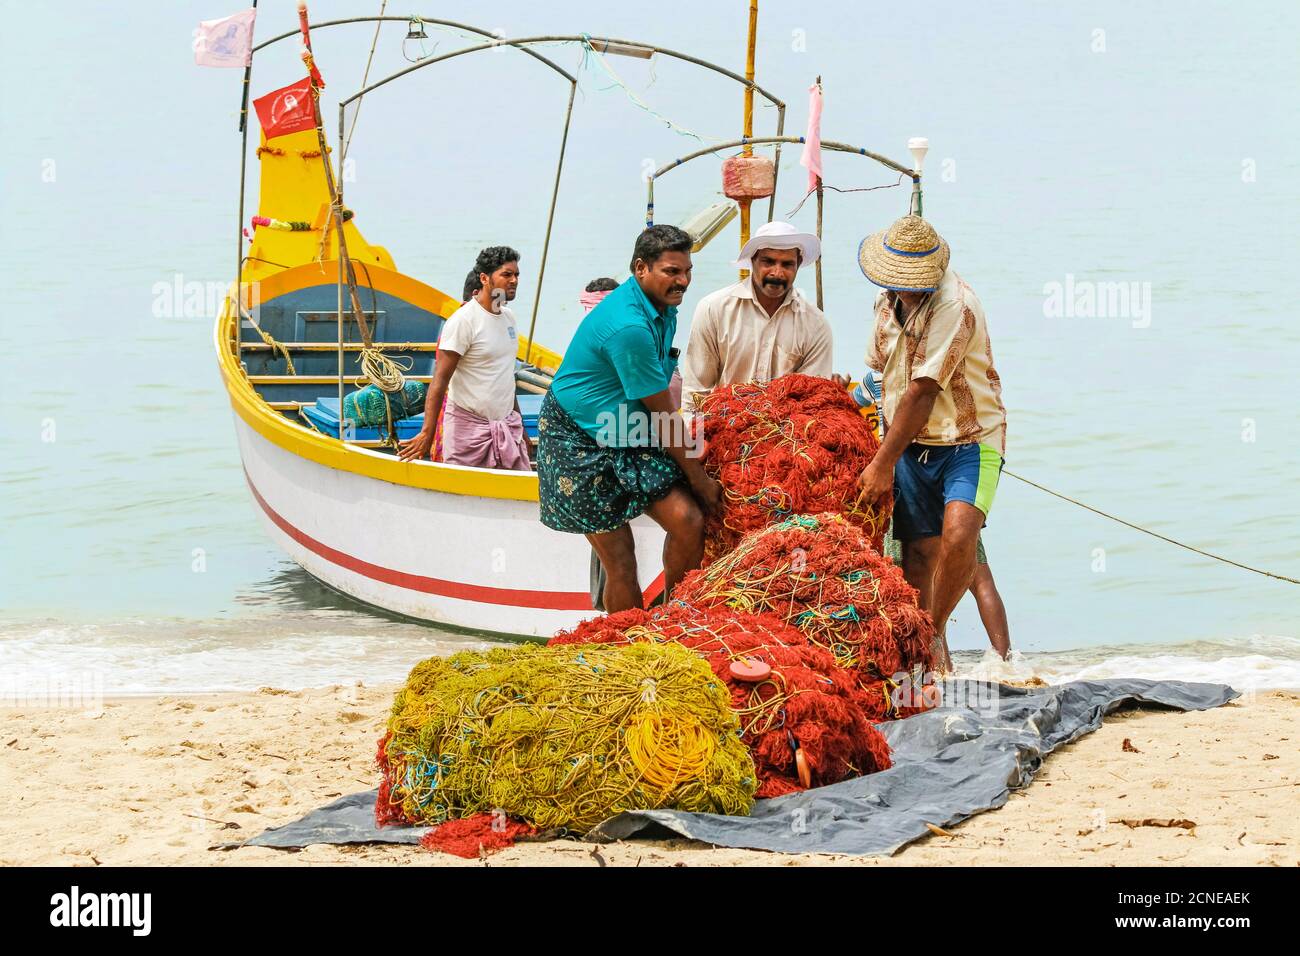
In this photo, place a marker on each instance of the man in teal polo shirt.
(612, 444)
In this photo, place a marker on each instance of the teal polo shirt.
(619, 355)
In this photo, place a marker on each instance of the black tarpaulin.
(950, 763)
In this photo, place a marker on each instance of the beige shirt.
(734, 340)
(946, 340)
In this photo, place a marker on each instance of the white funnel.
(919, 146)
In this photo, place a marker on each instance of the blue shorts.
(927, 477)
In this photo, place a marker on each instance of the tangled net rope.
(805, 703)
(820, 574)
(562, 737)
(795, 445)
(479, 835)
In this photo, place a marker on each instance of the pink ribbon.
(812, 143)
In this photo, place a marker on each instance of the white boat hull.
(486, 564)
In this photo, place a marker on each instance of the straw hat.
(780, 235)
(909, 256)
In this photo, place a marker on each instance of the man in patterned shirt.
(945, 434)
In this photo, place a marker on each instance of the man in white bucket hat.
(945, 425)
(762, 327)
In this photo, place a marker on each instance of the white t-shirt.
(484, 380)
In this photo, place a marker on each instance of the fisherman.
(596, 290)
(475, 372)
(945, 435)
(762, 327)
(472, 284)
(612, 443)
(992, 610)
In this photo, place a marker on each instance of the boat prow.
(435, 542)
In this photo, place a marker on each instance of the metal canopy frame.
(915, 205)
(767, 140)
(524, 44)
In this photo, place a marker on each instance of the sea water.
(1117, 184)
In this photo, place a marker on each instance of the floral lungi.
(587, 488)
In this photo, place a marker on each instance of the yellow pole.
(749, 119)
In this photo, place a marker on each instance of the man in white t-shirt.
(475, 372)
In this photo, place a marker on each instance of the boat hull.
(480, 563)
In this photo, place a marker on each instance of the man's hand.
(843, 381)
(416, 448)
(709, 492)
(875, 483)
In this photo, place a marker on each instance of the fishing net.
(804, 703)
(820, 574)
(795, 445)
(562, 737)
(479, 835)
(373, 406)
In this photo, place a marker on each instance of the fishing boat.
(456, 546)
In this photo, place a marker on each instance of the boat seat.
(324, 415)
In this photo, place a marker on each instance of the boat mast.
(239, 223)
(748, 120)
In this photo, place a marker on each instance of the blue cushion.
(325, 416)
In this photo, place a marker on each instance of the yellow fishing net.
(565, 736)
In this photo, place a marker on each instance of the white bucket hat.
(780, 235)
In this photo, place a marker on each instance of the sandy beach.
(164, 780)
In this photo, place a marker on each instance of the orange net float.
(795, 445)
(748, 177)
(803, 718)
(820, 574)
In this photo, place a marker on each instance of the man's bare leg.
(919, 557)
(953, 569)
(679, 514)
(993, 613)
(618, 556)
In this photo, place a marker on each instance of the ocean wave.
(1274, 663)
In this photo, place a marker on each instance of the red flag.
(287, 110)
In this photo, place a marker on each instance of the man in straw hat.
(759, 328)
(945, 425)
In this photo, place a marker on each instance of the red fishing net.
(388, 812)
(475, 836)
(795, 445)
(790, 696)
(820, 574)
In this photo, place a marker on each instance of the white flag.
(225, 42)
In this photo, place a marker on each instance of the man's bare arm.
(417, 447)
(877, 479)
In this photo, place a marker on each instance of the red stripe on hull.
(511, 597)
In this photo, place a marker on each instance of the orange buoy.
(750, 669)
(801, 765)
